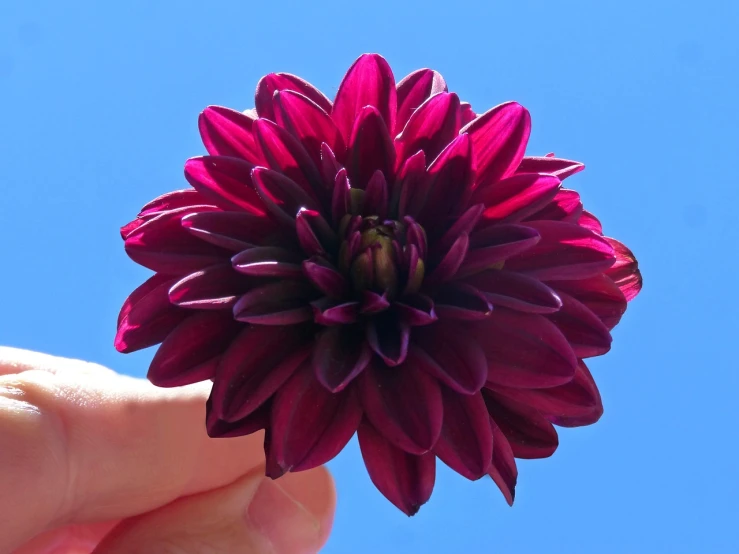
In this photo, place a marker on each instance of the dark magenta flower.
(389, 264)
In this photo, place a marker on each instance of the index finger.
(77, 448)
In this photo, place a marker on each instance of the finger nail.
(290, 511)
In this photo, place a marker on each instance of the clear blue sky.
(100, 101)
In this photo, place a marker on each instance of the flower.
(389, 264)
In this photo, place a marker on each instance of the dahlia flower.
(388, 264)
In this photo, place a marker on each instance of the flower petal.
(600, 294)
(147, 315)
(466, 440)
(327, 311)
(414, 90)
(234, 231)
(269, 84)
(565, 206)
(227, 132)
(282, 196)
(515, 291)
(497, 244)
(173, 200)
(340, 354)
(191, 352)
(370, 148)
(589, 221)
(255, 421)
(415, 310)
(340, 201)
(376, 196)
(224, 181)
(404, 479)
(549, 164)
(373, 303)
(409, 194)
(214, 288)
(280, 303)
(404, 404)
(388, 337)
(309, 424)
(625, 272)
(463, 302)
(308, 122)
(369, 82)
(268, 261)
(431, 127)
(515, 198)
(450, 355)
(451, 262)
(565, 251)
(524, 350)
(464, 224)
(325, 278)
(585, 332)
(259, 360)
(499, 138)
(529, 433)
(503, 468)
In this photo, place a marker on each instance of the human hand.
(92, 461)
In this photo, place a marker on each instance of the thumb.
(253, 515)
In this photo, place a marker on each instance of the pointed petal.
(163, 245)
(404, 479)
(462, 302)
(234, 231)
(529, 433)
(450, 355)
(227, 132)
(599, 294)
(224, 181)
(524, 350)
(280, 303)
(585, 332)
(388, 338)
(309, 424)
(341, 196)
(327, 311)
(414, 90)
(497, 244)
(373, 303)
(451, 262)
(147, 315)
(625, 272)
(259, 360)
(589, 221)
(565, 206)
(468, 115)
(269, 84)
(464, 224)
(412, 186)
(284, 153)
(282, 196)
(499, 138)
(217, 428)
(314, 233)
(325, 278)
(214, 288)
(416, 309)
(340, 355)
(308, 122)
(268, 261)
(369, 82)
(191, 352)
(375, 196)
(503, 468)
(172, 201)
(565, 251)
(404, 404)
(515, 291)
(466, 440)
(370, 148)
(329, 166)
(549, 164)
(431, 127)
(516, 198)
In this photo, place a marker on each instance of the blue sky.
(100, 101)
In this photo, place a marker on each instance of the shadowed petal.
(515, 291)
(269, 84)
(309, 424)
(499, 138)
(625, 272)
(172, 201)
(516, 198)
(463, 225)
(565, 206)
(340, 354)
(415, 310)
(404, 479)
(565, 251)
(451, 355)
(268, 261)
(376, 196)
(255, 421)
(282, 196)
(259, 360)
(599, 294)
(414, 90)
(369, 82)
(227, 132)
(404, 404)
(191, 352)
(147, 315)
(314, 233)
(459, 301)
(585, 332)
(234, 231)
(503, 468)
(409, 194)
(529, 433)
(497, 244)
(466, 440)
(373, 303)
(524, 350)
(325, 278)
(370, 148)
(224, 181)
(431, 127)
(388, 337)
(281, 303)
(340, 201)
(327, 311)
(549, 164)
(214, 288)
(451, 262)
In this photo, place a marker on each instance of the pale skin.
(95, 462)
